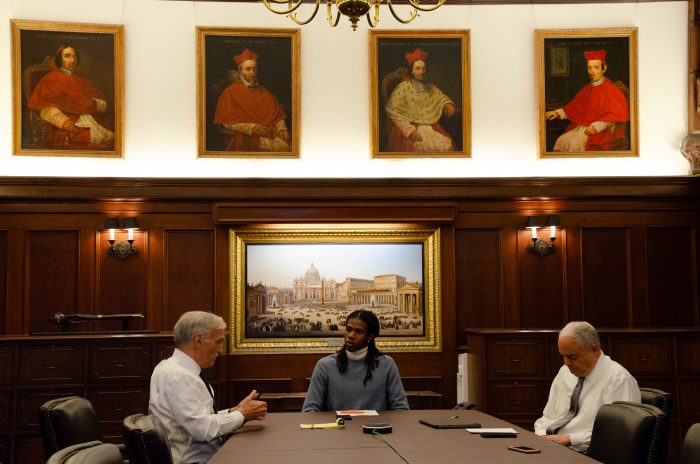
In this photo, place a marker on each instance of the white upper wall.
(160, 95)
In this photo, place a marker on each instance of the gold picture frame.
(72, 110)
(228, 124)
(401, 129)
(576, 116)
(277, 308)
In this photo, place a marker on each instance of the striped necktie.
(573, 409)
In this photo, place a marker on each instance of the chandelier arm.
(329, 13)
(293, 16)
(416, 4)
(412, 16)
(292, 6)
(376, 15)
(280, 2)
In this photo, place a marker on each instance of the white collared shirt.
(181, 402)
(607, 382)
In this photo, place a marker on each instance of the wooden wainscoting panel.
(644, 355)
(28, 449)
(164, 349)
(424, 392)
(425, 383)
(689, 391)
(516, 357)
(236, 213)
(606, 275)
(284, 401)
(52, 277)
(689, 356)
(16, 321)
(189, 273)
(478, 279)
(541, 282)
(671, 257)
(6, 402)
(49, 364)
(7, 365)
(513, 400)
(239, 388)
(122, 282)
(3, 280)
(113, 404)
(120, 362)
(5, 446)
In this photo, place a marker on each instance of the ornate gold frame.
(428, 236)
(33, 45)
(588, 39)
(386, 56)
(277, 67)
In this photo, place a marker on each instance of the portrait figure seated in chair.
(248, 115)
(72, 112)
(415, 108)
(597, 115)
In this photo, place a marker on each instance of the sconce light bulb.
(111, 235)
(552, 232)
(130, 233)
(534, 232)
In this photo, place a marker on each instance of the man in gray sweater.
(358, 376)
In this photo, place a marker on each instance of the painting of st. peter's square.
(307, 290)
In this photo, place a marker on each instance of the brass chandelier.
(353, 9)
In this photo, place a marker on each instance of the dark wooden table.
(279, 439)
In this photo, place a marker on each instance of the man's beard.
(252, 82)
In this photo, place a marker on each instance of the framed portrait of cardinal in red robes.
(587, 92)
(419, 94)
(248, 93)
(68, 89)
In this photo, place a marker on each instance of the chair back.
(30, 78)
(629, 433)
(145, 442)
(67, 421)
(92, 452)
(658, 398)
(465, 405)
(690, 451)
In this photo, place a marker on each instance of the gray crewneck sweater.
(332, 391)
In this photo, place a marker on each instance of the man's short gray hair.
(194, 323)
(583, 333)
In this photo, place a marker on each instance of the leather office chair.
(465, 405)
(658, 398)
(92, 452)
(690, 451)
(629, 433)
(145, 442)
(67, 421)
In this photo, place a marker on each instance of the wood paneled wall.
(627, 255)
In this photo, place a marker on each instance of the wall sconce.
(124, 248)
(539, 246)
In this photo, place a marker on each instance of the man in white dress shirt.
(182, 400)
(569, 415)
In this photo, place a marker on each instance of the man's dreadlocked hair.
(370, 319)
